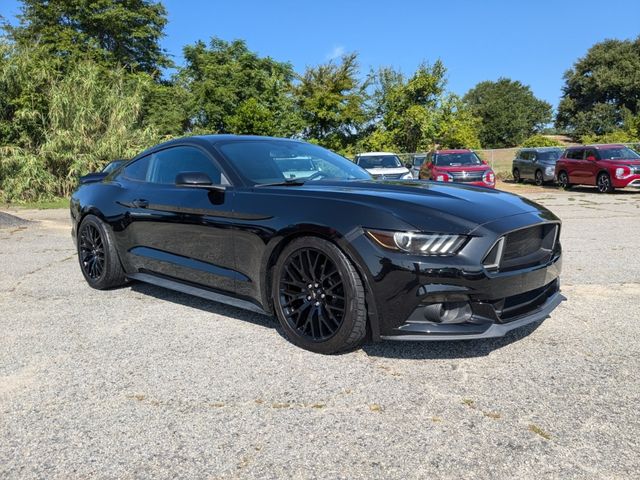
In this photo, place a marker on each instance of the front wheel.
(97, 255)
(563, 181)
(318, 297)
(539, 178)
(516, 176)
(604, 183)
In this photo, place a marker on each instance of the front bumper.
(403, 285)
(633, 182)
(478, 326)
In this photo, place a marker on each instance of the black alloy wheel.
(516, 175)
(539, 178)
(319, 297)
(604, 183)
(97, 255)
(91, 251)
(312, 294)
(563, 181)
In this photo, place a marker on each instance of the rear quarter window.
(137, 170)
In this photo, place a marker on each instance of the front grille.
(523, 248)
(523, 242)
(467, 176)
(510, 308)
(636, 169)
(392, 176)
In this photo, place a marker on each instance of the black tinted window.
(167, 164)
(548, 155)
(138, 169)
(577, 154)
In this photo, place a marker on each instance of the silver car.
(537, 164)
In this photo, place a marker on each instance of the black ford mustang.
(286, 227)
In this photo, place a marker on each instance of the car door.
(590, 166)
(184, 232)
(575, 166)
(526, 169)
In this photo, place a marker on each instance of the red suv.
(605, 166)
(462, 166)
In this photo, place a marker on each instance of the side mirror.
(197, 180)
(409, 165)
(591, 158)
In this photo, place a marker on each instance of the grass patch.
(60, 202)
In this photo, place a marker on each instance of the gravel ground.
(142, 382)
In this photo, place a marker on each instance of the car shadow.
(205, 305)
(429, 350)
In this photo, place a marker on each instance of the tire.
(97, 255)
(516, 176)
(318, 297)
(563, 181)
(539, 179)
(603, 183)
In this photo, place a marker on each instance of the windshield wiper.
(288, 182)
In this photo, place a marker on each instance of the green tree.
(233, 90)
(331, 100)
(112, 32)
(508, 110)
(413, 114)
(165, 107)
(601, 89)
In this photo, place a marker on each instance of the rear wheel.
(563, 181)
(99, 261)
(318, 297)
(516, 176)
(539, 178)
(604, 183)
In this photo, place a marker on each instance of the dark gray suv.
(537, 164)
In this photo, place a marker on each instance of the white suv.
(383, 165)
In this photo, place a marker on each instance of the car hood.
(462, 168)
(622, 161)
(425, 205)
(387, 171)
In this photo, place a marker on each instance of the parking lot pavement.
(143, 382)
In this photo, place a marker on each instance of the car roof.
(599, 146)
(371, 154)
(454, 150)
(540, 149)
(212, 140)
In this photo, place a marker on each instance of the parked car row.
(460, 166)
(606, 167)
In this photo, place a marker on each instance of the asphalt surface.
(141, 382)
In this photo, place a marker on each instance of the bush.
(540, 141)
(86, 117)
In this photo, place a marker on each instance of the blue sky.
(534, 42)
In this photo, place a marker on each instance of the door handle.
(140, 203)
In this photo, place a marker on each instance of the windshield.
(379, 161)
(619, 152)
(274, 161)
(456, 159)
(548, 155)
(112, 166)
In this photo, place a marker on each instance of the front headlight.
(406, 176)
(549, 171)
(419, 243)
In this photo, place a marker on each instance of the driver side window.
(165, 165)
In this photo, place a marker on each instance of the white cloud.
(337, 52)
